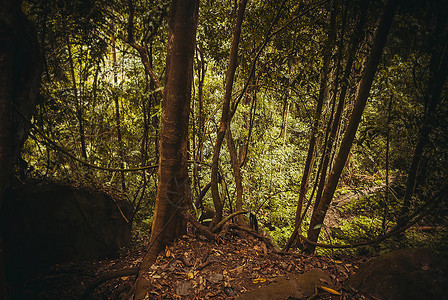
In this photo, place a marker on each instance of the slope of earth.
(193, 268)
(335, 215)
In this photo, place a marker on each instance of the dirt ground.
(191, 268)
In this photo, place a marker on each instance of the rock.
(309, 281)
(403, 274)
(50, 223)
(282, 288)
(296, 287)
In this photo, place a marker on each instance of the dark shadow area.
(50, 223)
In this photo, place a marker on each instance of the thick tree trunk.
(20, 71)
(225, 116)
(360, 102)
(173, 182)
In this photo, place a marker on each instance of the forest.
(283, 132)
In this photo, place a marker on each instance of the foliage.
(272, 123)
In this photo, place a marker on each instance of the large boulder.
(302, 286)
(53, 223)
(403, 274)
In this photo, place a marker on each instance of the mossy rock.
(403, 274)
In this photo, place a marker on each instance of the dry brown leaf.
(329, 290)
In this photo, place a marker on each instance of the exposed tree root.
(226, 219)
(271, 244)
(108, 276)
(201, 228)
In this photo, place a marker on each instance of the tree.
(320, 210)
(225, 116)
(323, 94)
(173, 182)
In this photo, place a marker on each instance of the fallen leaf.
(264, 248)
(259, 280)
(124, 278)
(183, 288)
(167, 252)
(216, 278)
(157, 285)
(331, 291)
(190, 275)
(229, 291)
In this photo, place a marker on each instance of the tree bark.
(347, 141)
(173, 183)
(225, 115)
(20, 69)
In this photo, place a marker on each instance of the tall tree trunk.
(438, 74)
(234, 160)
(173, 182)
(20, 69)
(328, 142)
(79, 112)
(336, 118)
(117, 114)
(320, 211)
(386, 194)
(225, 115)
(199, 127)
(323, 93)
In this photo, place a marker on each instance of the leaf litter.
(194, 268)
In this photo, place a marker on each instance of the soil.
(192, 268)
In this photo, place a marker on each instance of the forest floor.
(194, 268)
